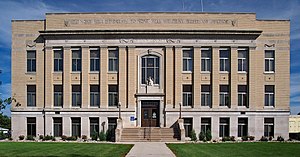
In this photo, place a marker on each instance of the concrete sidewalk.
(153, 149)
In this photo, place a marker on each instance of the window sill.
(224, 72)
(205, 72)
(57, 72)
(224, 106)
(112, 72)
(242, 107)
(206, 107)
(187, 72)
(57, 107)
(186, 106)
(269, 107)
(269, 72)
(76, 72)
(94, 72)
(94, 107)
(242, 72)
(30, 73)
(76, 107)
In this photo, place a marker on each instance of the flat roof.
(142, 12)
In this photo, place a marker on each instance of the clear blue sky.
(34, 9)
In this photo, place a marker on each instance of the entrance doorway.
(150, 113)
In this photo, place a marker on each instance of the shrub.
(63, 137)
(102, 136)
(41, 137)
(226, 138)
(21, 137)
(29, 137)
(202, 136)
(208, 135)
(2, 135)
(232, 138)
(84, 137)
(10, 138)
(270, 138)
(263, 138)
(47, 138)
(53, 139)
(279, 138)
(251, 138)
(214, 141)
(95, 136)
(193, 135)
(71, 138)
(245, 138)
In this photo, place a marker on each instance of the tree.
(4, 103)
(5, 121)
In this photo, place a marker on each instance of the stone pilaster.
(215, 77)
(122, 76)
(103, 77)
(49, 77)
(85, 89)
(67, 92)
(178, 76)
(197, 77)
(233, 77)
(169, 77)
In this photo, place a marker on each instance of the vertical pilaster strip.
(215, 77)
(122, 76)
(85, 55)
(169, 78)
(48, 77)
(132, 76)
(197, 77)
(67, 77)
(233, 77)
(40, 76)
(103, 77)
(178, 75)
(252, 78)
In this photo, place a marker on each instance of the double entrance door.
(150, 113)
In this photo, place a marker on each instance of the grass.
(63, 149)
(259, 149)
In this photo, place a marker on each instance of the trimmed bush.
(10, 138)
(95, 136)
(63, 137)
(201, 136)
(270, 138)
(280, 139)
(2, 136)
(21, 137)
(232, 138)
(251, 138)
(193, 135)
(226, 138)
(47, 138)
(31, 138)
(41, 137)
(71, 138)
(208, 135)
(102, 136)
(263, 138)
(245, 138)
(84, 137)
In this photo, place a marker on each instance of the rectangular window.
(112, 125)
(76, 127)
(187, 60)
(205, 124)
(113, 63)
(206, 95)
(57, 126)
(187, 95)
(269, 127)
(94, 126)
(242, 127)
(76, 95)
(113, 97)
(188, 126)
(31, 95)
(243, 60)
(31, 126)
(31, 61)
(94, 59)
(242, 95)
(269, 95)
(206, 59)
(76, 59)
(94, 96)
(58, 95)
(269, 60)
(224, 127)
(58, 60)
(224, 95)
(224, 59)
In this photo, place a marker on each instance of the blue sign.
(132, 118)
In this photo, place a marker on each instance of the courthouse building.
(79, 73)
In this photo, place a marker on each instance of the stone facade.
(162, 35)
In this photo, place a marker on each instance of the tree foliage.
(4, 103)
(5, 121)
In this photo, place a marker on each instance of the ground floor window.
(57, 126)
(269, 127)
(188, 126)
(112, 125)
(94, 126)
(76, 127)
(242, 127)
(224, 127)
(31, 126)
(205, 124)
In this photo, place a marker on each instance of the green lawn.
(62, 149)
(258, 149)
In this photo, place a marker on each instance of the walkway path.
(150, 149)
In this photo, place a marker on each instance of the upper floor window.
(243, 60)
(94, 59)
(113, 63)
(58, 95)
(206, 59)
(187, 60)
(206, 95)
(76, 95)
(31, 61)
(187, 95)
(269, 95)
(31, 95)
(224, 95)
(242, 95)
(113, 97)
(150, 69)
(58, 60)
(224, 59)
(94, 96)
(76, 59)
(269, 60)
